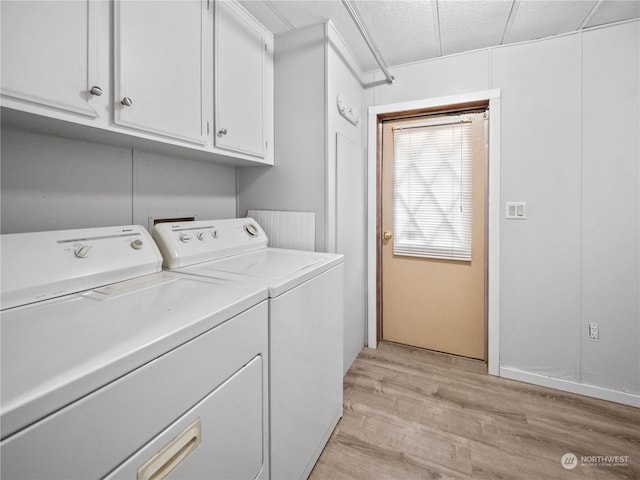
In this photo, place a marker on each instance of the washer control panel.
(188, 243)
(251, 229)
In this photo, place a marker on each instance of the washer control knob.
(136, 244)
(82, 251)
(200, 236)
(251, 230)
(184, 238)
(214, 234)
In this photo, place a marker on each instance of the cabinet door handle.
(95, 90)
(222, 131)
(126, 101)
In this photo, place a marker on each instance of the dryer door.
(219, 438)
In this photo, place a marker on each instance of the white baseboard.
(569, 386)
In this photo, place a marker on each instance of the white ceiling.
(411, 30)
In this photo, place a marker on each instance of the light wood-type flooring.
(414, 414)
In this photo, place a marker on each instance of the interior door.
(433, 266)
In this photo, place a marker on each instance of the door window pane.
(432, 191)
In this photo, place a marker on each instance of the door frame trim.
(493, 211)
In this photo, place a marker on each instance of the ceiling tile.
(301, 13)
(538, 19)
(265, 15)
(468, 25)
(402, 30)
(614, 11)
(305, 12)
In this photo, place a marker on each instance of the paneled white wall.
(313, 171)
(298, 179)
(51, 183)
(569, 148)
(166, 186)
(540, 160)
(610, 207)
(348, 173)
(467, 72)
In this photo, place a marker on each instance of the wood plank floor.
(414, 414)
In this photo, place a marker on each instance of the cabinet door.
(158, 67)
(241, 51)
(49, 57)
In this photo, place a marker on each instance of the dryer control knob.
(214, 234)
(136, 244)
(200, 236)
(82, 251)
(184, 238)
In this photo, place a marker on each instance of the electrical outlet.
(593, 332)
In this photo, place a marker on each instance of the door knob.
(387, 235)
(126, 101)
(96, 91)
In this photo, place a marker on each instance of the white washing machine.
(305, 326)
(112, 368)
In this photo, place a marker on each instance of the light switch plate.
(516, 210)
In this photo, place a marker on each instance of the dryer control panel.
(188, 243)
(42, 265)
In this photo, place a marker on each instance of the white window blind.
(432, 191)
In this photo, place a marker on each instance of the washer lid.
(56, 351)
(276, 268)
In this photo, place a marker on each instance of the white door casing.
(493, 211)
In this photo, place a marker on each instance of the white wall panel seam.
(581, 261)
(133, 184)
(330, 196)
(237, 176)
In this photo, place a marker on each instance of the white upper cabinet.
(159, 67)
(144, 73)
(243, 83)
(50, 58)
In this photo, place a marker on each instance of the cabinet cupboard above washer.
(140, 74)
(243, 83)
(52, 57)
(160, 66)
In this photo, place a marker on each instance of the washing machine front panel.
(306, 394)
(306, 303)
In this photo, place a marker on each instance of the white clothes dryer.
(113, 368)
(305, 326)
